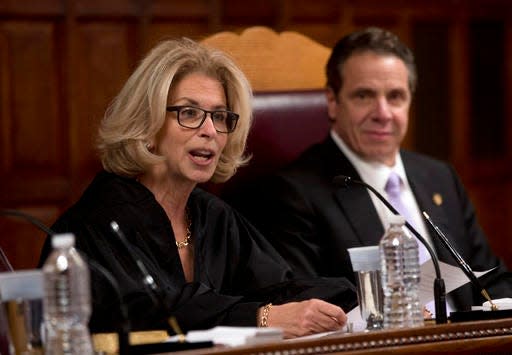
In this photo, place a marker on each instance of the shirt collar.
(373, 173)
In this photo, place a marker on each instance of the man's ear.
(332, 102)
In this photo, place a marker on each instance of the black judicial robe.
(235, 268)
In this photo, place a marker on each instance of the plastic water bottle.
(400, 276)
(67, 299)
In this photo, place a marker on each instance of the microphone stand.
(124, 331)
(439, 286)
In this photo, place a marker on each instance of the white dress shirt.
(376, 174)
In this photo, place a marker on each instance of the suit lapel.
(356, 205)
(354, 201)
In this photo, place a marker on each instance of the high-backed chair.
(275, 61)
(286, 72)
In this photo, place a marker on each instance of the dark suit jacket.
(312, 222)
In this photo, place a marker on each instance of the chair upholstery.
(285, 124)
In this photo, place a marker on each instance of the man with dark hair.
(371, 78)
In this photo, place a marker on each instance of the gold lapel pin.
(438, 199)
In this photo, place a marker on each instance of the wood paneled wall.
(62, 61)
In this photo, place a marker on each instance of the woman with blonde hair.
(182, 119)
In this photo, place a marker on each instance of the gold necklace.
(185, 242)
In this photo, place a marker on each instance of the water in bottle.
(400, 276)
(67, 299)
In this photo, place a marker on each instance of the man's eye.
(397, 96)
(362, 95)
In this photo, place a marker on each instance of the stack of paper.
(502, 304)
(234, 336)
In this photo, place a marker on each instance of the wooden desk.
(481, 337)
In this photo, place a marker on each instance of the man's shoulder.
(310, 174)
(314, 160)
(427, 170)
(421, 160)
(312, 157)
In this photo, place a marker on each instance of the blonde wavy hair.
(138, 112)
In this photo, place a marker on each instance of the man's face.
(371, 110)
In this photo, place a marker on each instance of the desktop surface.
(476, 337)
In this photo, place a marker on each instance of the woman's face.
(192, 154)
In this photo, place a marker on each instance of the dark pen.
(462, 263)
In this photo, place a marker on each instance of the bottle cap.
(396, 219)
(64, 240)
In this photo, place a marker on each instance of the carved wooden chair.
(286, 71)
(275, 61)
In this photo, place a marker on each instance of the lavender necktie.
(393, 189)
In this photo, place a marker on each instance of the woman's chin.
(202, 177)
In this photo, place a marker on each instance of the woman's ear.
(150, 146)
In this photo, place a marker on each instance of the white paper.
(453, 277)
(501, 303)
(235, 336)
(355, 322)
(319, 335)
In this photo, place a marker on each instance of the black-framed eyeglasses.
(193, 117)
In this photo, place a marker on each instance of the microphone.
(462, 263)
(439, 286)
(148, 280)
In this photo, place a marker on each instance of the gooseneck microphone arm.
(148, 280)
(124, 331)
(462, 263)
(34, 221)
(439, 286)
